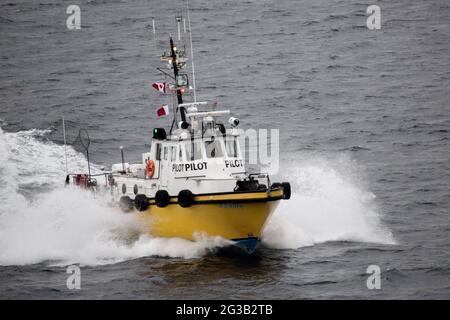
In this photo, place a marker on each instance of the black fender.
(162, 198)
(185, 198)
(286, 190)
(125, 203)
(141, 202)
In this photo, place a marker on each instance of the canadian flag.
(162, 111)
(160, 86)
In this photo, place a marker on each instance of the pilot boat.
(193, 181)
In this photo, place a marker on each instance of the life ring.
(150, 168)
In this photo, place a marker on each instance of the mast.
(173, 52)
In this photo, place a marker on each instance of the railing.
(261, 176)
(84, 180)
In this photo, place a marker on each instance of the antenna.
(153, 26)
(65, 150)
(85, 141)
(192, 51)
(123, 160)
(178, 19)
(154, 33)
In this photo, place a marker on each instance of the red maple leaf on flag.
(160, 86)
(162, 111)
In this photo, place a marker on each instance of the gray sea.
(364, 120)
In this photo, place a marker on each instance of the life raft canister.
(150, 168)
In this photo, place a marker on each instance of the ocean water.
(364, 119)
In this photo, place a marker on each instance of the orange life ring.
(150, 168)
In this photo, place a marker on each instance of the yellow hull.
(232, 216)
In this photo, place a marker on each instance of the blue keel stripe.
(247, 244)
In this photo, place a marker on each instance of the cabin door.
(165, 167)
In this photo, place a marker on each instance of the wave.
(67, 225)
(71, 226)
(327, 204)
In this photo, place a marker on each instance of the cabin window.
(173, 154)
(213, 148)
(193, 151)
(231, 146)
(166, 153)
(158, 151)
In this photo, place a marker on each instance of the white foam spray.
(328, 203)
(68, 225)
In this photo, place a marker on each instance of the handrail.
(92, 175)
(262, 175)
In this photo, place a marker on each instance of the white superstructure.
(204, 159)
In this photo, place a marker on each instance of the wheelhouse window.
(173, 154)
(231, 146)
(158, 151)
(194, 150)
(213, 148)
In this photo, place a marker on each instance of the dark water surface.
(364, 119)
